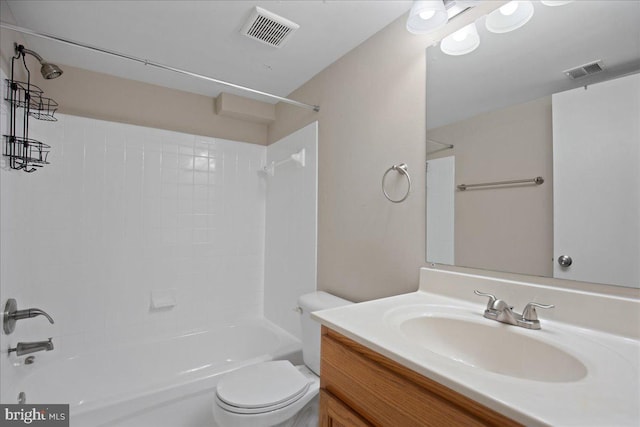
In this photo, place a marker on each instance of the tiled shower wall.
(291, 232)
(123, 211)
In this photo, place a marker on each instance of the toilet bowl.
(277, 393)
(267, 394)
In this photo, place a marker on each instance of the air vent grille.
(585, 70)
(268, 28)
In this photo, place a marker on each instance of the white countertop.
(608, 395)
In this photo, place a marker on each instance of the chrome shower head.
(49, 71)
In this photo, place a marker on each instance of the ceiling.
(528, 63)
(202, 37)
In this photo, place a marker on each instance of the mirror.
(508, 112)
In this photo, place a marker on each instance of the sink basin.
(494, 347)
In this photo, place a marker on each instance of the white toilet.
(276, 393)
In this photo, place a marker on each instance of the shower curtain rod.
(23, 30)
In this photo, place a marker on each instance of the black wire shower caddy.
(26, 153)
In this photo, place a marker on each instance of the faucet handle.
(530, 313)
(11, 314)
(33, 312)
(492, 299)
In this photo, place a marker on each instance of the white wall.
(124, 210)
(372, 116)
(291, 232)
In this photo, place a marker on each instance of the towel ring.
(401, 168)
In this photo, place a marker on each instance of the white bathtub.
(163, 383)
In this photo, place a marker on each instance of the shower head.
(49, 71)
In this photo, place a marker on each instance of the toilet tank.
(310, 328)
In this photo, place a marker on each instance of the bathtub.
(165, 382)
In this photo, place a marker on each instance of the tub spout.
(23, 348)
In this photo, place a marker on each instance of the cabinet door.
(596, 182)
(334, 413)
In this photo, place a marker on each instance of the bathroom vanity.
(361, 387)
(432, 358)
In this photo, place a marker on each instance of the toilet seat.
(261, 388)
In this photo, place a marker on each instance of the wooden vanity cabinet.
(334, 413)
(360, 387)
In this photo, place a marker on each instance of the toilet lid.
(262, 387)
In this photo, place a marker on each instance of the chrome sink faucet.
(500, 311)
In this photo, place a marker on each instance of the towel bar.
(537, 180)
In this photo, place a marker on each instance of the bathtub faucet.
(23, 348)
(11, 315)
(29, 313)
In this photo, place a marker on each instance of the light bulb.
(459, 35)
(463, 41)
(427, 14)
(509, 17)
(509, 8)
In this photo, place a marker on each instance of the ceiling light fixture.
(427, 16)
(509, 17)
(463, 41)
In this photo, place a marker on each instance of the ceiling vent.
(268, 28)
(585, 70)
